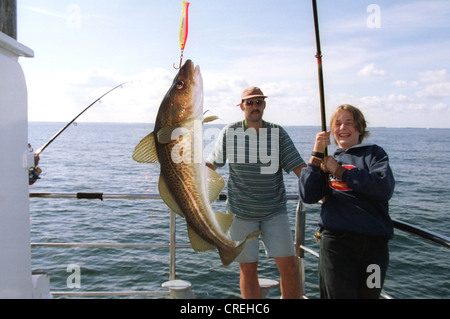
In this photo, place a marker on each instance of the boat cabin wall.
(15, 254)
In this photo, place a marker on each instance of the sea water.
(97, 157)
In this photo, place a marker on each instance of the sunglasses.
(257, 102)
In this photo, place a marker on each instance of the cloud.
(414, 16)
(405, 84)
(61, 95)
(433, 76)
(435, 91)
(370, 70)
(440, 107)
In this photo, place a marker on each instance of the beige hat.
(252, 92)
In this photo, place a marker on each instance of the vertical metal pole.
(172, 263)
(8, 17)
(300, 218)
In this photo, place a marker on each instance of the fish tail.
(228, 256)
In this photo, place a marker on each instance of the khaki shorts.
(276, 236)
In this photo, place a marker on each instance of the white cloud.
(435, 91)
(433, 76)
(370, 70)
(60, 96)
(405, 84)
(398, 98)
(440, 107)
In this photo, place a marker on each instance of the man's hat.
(252, 92)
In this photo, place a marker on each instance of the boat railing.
(300, 226)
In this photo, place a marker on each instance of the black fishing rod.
(43, 147)
(35, 171)
(320, 69)
(321, 86)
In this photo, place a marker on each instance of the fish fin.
(164, 135)
(228, 256)
(210, 119)
(167, 197)
(198, 243)
(145, 151)
(215, 184)
(225, 221)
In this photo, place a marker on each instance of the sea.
(97, 157)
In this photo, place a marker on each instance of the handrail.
(101, 196)
(421, 232)
(105, 245)
(300, 248)
(439, 239)
(109, 293)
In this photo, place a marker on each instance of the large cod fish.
(186, 184)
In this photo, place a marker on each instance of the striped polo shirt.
(256, 160)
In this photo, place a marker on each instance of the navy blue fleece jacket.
(359, 201)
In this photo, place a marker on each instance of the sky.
(390, 58)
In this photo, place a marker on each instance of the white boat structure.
(17, 280)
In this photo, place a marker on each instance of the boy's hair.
(358, 120)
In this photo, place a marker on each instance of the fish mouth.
(197, 75)
(194, 70)
(197, 91)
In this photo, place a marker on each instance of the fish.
(186, 184)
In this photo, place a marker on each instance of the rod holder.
(265, 285)
(179, 289)
(41, 285)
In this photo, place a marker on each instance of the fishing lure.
(184, 29)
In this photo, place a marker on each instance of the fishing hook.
(181, 62)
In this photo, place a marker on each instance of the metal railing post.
(300, 242)
(172, 244)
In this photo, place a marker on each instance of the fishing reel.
(318, 236)
(33, 171)
(33, 175)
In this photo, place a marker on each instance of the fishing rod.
(320, 70)
(43, 147)
(35, 171)
(321, 87)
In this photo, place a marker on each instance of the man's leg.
(248, 259)
(249, 281)
(279, 244)
(289, 277)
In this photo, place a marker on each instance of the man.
(257, 151)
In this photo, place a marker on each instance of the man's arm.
(211, 166)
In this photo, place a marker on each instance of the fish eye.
(180, 85)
